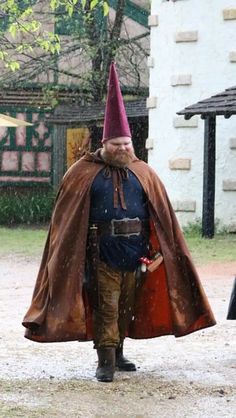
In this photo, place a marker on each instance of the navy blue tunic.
(120, 253)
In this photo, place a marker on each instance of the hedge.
(29, 206)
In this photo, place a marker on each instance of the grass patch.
(22, 241)
(221, 248)
(30, 242)
(11, 411)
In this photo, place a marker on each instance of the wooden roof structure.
(35, 97)
(65, 101)
(223, 104)
(76, 114)
(220, 104)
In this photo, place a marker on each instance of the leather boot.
(106, 364)
(122, 363)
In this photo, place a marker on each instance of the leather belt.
(122, 227)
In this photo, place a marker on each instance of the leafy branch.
(32, 50)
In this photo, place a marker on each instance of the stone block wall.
(193, 56)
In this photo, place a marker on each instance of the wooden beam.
(208, 208)
(134, 12)
(59, 154)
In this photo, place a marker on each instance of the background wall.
(193, 56)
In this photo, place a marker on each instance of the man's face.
(118, 151)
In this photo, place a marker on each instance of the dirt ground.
(193, 376)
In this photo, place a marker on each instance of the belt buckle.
(114, 221)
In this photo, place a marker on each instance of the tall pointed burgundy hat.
(115, 122)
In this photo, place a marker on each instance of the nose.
(122, 147)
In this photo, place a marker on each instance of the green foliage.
(194, 228)
(49, 43)
(18, 19)
(72, 5)
(13, 65)
(80, 29)
(93, 4)
(25, 207)
(50, 95)
(105, 8)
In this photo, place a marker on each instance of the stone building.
(193, 56)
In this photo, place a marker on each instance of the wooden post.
(208, 208)
(59, 154)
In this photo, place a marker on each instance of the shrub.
(193, 228)
(28, 206)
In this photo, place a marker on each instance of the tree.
(32, 47)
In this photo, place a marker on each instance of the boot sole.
(105, 380)
(121, 369)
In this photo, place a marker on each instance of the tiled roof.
(72, 114)
(221, 104)
(37, 97)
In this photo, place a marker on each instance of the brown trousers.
(115, 305)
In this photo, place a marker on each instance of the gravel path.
(192, 377)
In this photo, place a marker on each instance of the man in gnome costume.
(112, 218)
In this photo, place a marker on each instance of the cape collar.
(118, 174)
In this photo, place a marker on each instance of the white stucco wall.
(205, 63)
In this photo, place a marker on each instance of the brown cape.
(171, 300)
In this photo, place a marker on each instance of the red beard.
(118, 158)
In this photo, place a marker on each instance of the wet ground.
(192, 377)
